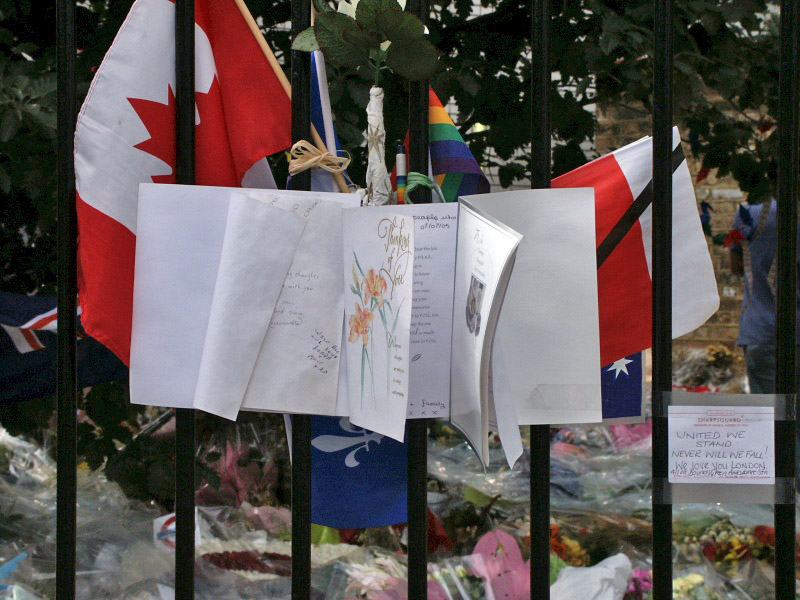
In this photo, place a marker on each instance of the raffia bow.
(304, 155)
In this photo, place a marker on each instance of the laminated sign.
(722, 444)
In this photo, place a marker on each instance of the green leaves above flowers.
(338, 38)
(413, 59)
(373, 33)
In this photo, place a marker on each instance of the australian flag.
(28, 350)
(358, 478)
(622, 385)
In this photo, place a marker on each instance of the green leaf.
(399, 25)
(329, 30)
(413, 59)
(360, 270)
(367, 10)
(9, 125)
(363, 39)
(305, 41)
(363, 360)
(609, 42)
(397, 314)
(321, 534)
(5, 181)
(322, 6)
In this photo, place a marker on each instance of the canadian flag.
(623, 186)
(125, 135)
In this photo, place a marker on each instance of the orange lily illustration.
(373, 285)
(359, 324)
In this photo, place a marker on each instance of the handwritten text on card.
(721, 444)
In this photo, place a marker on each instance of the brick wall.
(619, 126)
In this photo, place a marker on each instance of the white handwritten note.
(305, 328)
(722, 444)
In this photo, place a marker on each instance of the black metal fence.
(789, 159)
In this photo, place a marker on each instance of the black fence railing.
(789, 131)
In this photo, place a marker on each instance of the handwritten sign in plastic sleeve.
(722, 444)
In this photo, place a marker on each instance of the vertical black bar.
(67, 233)
(662, 285)
(417, 429)
(301, 424)
(184, 418)
(417, 438)
(540, 178)
(786, 378)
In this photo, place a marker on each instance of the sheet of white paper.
(549, 325)
(378, 272)
(721, 444)
(483, 250)
(503, 414)
(297, 369)
(180, 232)
(259, 245)
(435, 229)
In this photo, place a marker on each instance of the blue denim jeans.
(760, 362)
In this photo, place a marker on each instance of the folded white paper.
(192, 243)
(549, 325)
(297, 367)
(260, 242)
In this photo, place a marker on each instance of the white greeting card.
(549, 327)
(378, 270)
(485, 257)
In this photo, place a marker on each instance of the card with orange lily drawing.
(378, 269)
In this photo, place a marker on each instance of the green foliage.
(360, 42)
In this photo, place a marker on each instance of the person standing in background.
(753, 242)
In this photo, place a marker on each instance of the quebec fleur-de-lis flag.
(125, 135)
(358, 478)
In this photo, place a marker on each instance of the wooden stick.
(287, 87)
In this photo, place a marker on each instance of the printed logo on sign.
(164, 531)
(166, 535)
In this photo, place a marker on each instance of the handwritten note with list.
(722, 444)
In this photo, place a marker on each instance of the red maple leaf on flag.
(213, 155)
(159, 119)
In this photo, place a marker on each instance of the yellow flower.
(373, 285)
(359, 325)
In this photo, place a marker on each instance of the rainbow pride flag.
(452, 165)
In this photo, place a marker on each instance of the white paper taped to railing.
(722, 444)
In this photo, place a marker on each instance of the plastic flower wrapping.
(479, 527)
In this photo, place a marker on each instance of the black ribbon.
(635, 210)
